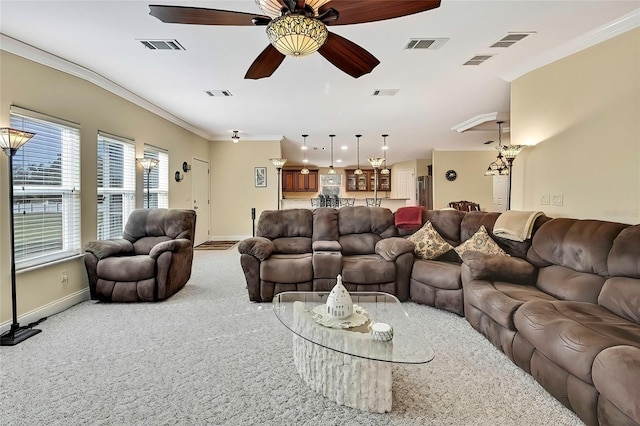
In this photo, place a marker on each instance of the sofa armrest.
(107, 248)
(326, 246)
(176, 245)
(391, 248)
(258, 247)
(493, 267)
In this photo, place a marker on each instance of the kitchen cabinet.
(366, 181)
(294, 181)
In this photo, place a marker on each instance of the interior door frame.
(202, 207)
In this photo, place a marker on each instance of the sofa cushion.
(362, 219)
(572, 334)
(622, 297)
(500, 300)
(482, 242)
(325, 224)
(354, 244)
(428, 243)
(582, 245)
(499, 268)
(127, 268)
(435, 273)
(287, 268)
(145, 244)
(567, 284)
(292, 245)
(367, 269)
(616, 375)
(285, 223)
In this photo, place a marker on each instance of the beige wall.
(470, 185)
(583, 112)
(233, 192)
(33, 86)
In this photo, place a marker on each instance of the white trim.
(621, 25)
(17, 47)
(49, 309)
(475, 121)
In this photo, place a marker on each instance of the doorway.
(200, 189)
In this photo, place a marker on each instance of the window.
(158, 178)
(116, 184)
(46, 189)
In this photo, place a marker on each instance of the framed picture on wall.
(260, 177)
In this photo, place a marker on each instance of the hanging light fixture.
(358, 171)
(510, 152)
(332, 171)
(385, 170)
(235, 138)
(304, 170)
(498, 167)
(297, 34)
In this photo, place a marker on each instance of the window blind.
(158, 178)
(46, 178)
(116, 184)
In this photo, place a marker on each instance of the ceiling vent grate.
(385, 92)
(477, 60)
(162, 44)
(217, 93)
(510, 39)
(425, 43)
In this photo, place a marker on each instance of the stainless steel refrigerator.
(424, 192)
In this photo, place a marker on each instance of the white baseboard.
(49, 309)
(230, 238)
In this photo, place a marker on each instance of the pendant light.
(498, 167)
(358, 171)
(304, 170)
(385, 170)
(332, 171)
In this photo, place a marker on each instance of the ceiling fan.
(299, 28)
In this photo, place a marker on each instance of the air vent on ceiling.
(477, 60)
(425, 43)
(385, 92)
(162, 44)
(218, 93)
(510, 39)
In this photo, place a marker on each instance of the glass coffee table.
(344, 362)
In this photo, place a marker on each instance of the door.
(200, 190)
(406, 186)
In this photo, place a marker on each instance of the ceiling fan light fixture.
(273, 8)
(235, 138)
(296, 35)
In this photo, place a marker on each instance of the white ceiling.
(309, 95)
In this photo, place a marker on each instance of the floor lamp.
(278, 162)
(510, 152)
(11, 140)
(375, 163)
(148, 164)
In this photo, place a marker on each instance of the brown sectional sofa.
(564, 306)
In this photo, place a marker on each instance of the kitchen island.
(305, 203)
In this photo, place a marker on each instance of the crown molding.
(621, 25)
(27, 51)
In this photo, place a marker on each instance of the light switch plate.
(544, 199)
(557, 199)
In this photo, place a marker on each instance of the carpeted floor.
(216, 245)
(208, 356)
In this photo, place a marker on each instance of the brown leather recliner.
(151, 262)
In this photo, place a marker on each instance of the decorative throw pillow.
(481, 241)
(428, 243)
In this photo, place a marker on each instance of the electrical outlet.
(544, 199)
(557, 199)
(64, 278)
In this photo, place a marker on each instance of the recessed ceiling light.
(344, 147)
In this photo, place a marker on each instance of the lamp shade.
(376, 162)
(13, 139)
(296, 35)
(385, 171)
(147, 163)
(511, 151)
(332, 171)
(304, 171)
(278, 162)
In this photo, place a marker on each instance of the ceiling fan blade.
(348, 56)
(265, 64)
(354, 12)
(201, 16)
